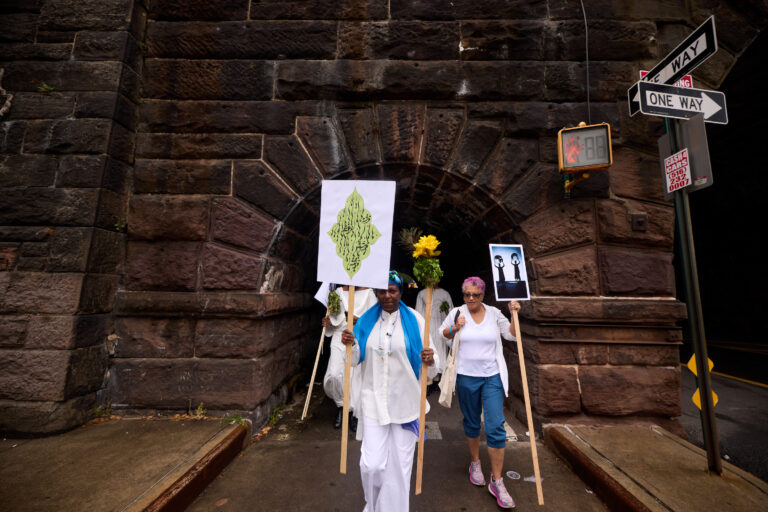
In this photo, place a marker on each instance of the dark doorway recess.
(728, 222)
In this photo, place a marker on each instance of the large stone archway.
(160, 191)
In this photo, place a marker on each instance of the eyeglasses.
(473, 295)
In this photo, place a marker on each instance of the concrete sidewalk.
(149, 464)
(118, 465)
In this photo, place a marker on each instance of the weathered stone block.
(506, 40)
(33, 374)
(241, 304)
(194, 146)
(616, 223)
(501, 80)
(162, 266)
(160, 217)
(121, 143)
(35, 51)
(69, 249)
(85, 15)
(106, 252)
(399, 40)
(360, 134)
(13, 331)
(290, 246)
(443, 127)
(173, 383)
(18, 27)
(477, 141)
(60, 332)
(467, 9)
(630, 390)
(28, 105)
(286, 155)
(208, 79)
(224, 116)
(62, 76)
(539, 188)
(281, 277)
(566, 353)
(237, 224)
(650, 355)
(98, 294)
(155, 337)
(242, 40)
(664, 10)
(32, 292)
(636, 175)
(235, 338)
(322, 140)
(45, 417)
(570, 223)
(287, 361)
(607, 80)
(402, 126)
(255, 183)
(12, 136)
(230, 270)
(508, 162)
(318, 10)
(101, 45)
(68, 136)
(558, 390)
(608, 40)
(86, 370)
(27, 171)
(182, 176)
(635, 272)
(198, 10)
(77, 171)
(574, 272)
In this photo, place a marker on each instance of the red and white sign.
(677, 169)
(686, 81)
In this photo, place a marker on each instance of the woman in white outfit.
(388, 354)
(482, 380)
(333, 382)
(439, 296)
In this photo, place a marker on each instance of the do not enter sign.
(677, 169)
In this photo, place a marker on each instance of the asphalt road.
(741, 416)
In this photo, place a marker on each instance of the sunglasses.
(473, 295)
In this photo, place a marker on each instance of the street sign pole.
(695, 314)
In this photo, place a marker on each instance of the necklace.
(390, 330)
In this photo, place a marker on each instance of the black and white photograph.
(510, 281)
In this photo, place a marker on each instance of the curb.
(614, 494)
(179, 488)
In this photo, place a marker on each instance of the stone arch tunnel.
(161, 168)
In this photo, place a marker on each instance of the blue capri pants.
(486, 394)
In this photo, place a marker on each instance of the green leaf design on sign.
(353, 233)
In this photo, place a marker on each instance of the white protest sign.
(355, 236)
(510, 280)
(677, 170)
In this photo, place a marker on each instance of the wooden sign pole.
(423, 382)
(347, 371)
(532, 434)
(314, 370)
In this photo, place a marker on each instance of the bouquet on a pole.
(427, 271)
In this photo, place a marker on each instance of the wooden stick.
(531, 433)
(423, 382)
(314, 370)
(347, 371)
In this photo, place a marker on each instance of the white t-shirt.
(477, 350)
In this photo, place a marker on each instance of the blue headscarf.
(413, 343)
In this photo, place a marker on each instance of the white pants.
(386, 461)
(333, 382)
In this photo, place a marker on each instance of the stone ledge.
(655, 310)
(209, 304)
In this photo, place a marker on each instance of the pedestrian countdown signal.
(584, 148)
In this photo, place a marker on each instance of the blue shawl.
(413, 343)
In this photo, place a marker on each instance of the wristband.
(451, 331)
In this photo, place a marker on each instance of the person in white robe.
(439, 312)
(388, 353)
(333, 382)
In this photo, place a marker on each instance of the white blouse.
(385, 387)
(496, 322)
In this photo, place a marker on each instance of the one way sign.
(682, 103)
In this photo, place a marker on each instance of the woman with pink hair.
(482, 380)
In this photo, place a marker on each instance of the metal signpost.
(684, 103)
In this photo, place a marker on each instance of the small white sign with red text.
(678, 171)
(686, 81)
